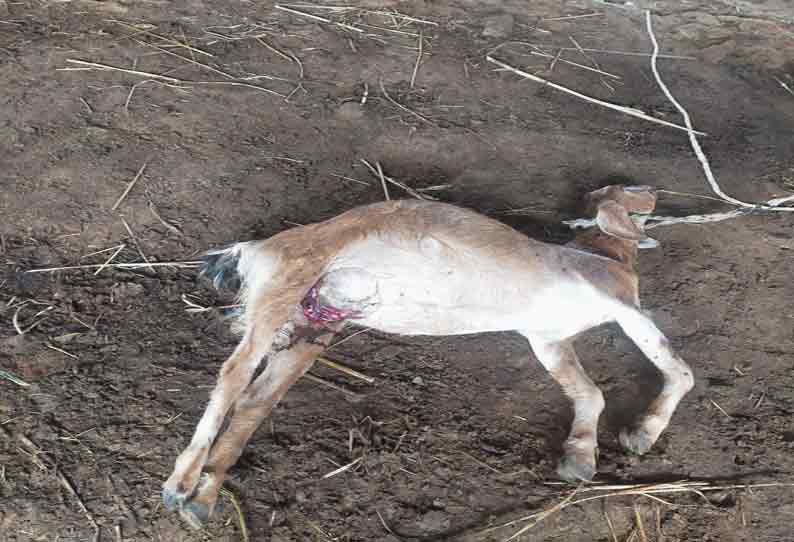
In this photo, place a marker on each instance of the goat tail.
(265, 283)
(241, 266)
(271, 277)
(221, 266)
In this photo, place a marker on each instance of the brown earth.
(456, 434)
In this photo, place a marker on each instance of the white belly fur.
(428, 288)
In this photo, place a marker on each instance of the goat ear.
(613, 219)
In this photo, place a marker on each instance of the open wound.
(319, 313)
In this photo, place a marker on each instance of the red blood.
(317, 313)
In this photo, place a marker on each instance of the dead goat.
(425, 268)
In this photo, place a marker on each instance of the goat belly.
(421, 287)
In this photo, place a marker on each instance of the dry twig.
(622, 109)
(347, 370)
(317, 18)
(238, 509)
(693, 140)
(182, 82)
(168, 225)
(135, 241)
(618, 490)
(652, 221)
(316, 379)
(184, 45)
(13, 378)
(133, 265)
(378, 172)
(418, 59)
(343, 468)
(557, 58)
(569, 17)
(401, 106)
(112, 257)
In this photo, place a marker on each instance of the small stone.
(498, 26)
(418, 381)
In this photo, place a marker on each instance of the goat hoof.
(196, 514)
(637, 441)
(173, 500)
(574, 471)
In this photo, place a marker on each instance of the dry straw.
(744, 208)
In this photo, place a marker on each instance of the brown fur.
(302, 255)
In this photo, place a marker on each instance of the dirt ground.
(455, 434)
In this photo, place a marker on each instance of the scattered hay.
(239, 511)
(607, 491)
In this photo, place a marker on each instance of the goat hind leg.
(579, 450)
(286, 364)
(235, 375)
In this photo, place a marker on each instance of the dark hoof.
(574, 471)
(173, 500)
(195, 514)
(637, 441)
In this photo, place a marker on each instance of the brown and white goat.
(422, 268)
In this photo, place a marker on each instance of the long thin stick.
(627, 53)
(568, 17)
(236, 84)
(342, 9)
(173, 80)
(383, 181)
(654, 221)
(317, 18)
(135, 265)
(164, 38)
(322, 381)
(557, 58)
(112, 257)
(625, 110)
(340, 341)
(347, 370)
(611, 527)
(240, 517)
(61, 350)
(543, 515)
(343, 468)
(624, 490)
(135, 240)
(418, 59)
(401, 106)
(269, 47)
(106, 67)
(188, 60)
(785, 86)
(385, 178)
(129, 187)
(693, 140)
(73, 492)
(584, 53)
(13, 378)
